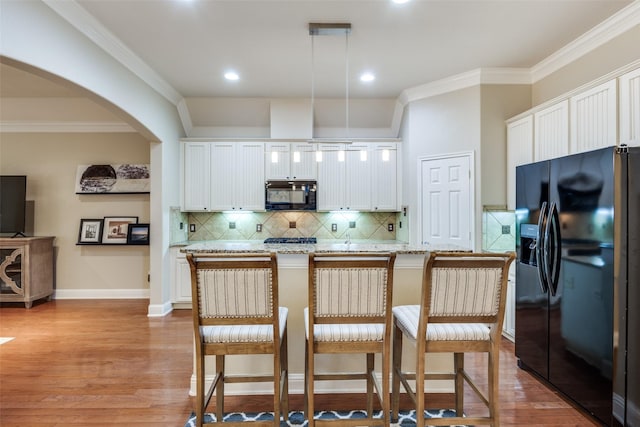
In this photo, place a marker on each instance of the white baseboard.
(296, 386)
(101, 294)
(159, 310)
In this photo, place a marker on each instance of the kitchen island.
(293, 284)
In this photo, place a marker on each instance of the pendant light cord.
(346, 55)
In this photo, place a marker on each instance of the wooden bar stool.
(349, 312)
(461, 310)
(235, 311)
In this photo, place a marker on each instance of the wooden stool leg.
(220, 389)
(370, 363)
(458, 366)
(284, 360)
(395, 374)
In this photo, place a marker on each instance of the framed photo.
(138, 234)
(116, 229)
(90, 232)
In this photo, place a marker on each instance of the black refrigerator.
(578, 279)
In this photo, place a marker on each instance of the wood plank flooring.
(105, 363)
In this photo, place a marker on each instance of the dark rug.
(296, 418)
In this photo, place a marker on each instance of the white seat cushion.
(409, 315)
(354, 332)
(244, 333)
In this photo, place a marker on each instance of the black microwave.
(290, 195)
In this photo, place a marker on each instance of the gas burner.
(298, 240)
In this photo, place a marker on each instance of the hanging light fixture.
(331, 29)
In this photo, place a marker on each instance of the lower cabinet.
(180, 279)
(509, 325)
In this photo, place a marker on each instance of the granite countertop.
(323, 246)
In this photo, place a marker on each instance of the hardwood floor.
(105, 363)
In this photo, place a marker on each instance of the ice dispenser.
(528, 242)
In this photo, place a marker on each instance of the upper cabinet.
(385, 190)
(196, 178)
(551, 135)
(290, 160)
(230, 176)
(359, 177)
(237, 176)
(629, 88)
(220, 176)
(593, 118)
(519, 152)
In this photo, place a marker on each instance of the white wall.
(50, 162)
(441, 124)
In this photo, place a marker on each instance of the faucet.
(348, 241)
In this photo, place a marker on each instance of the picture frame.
(90, 231)
(116, 229)
(138, 234)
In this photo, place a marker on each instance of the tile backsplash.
(498, 230)
(322, 225)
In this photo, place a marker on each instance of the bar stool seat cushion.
(408, 316)
(244, 333)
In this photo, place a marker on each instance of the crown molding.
(84, 22)
(65, 127)
(464, 80)
(612, 27)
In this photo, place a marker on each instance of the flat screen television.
(13, 200)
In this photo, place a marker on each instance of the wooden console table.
(26, 269)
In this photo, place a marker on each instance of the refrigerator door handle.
(553, 248)
(540, 262)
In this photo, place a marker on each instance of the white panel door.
(384, 192)
(223, 168)
(249, 177)
(630, 108)
(196, 176)
(357, 178)
(594, 118)
(446, 206)
(303, 161)
(551, 135)
(519, 152)
(276, 160)
(331, 177)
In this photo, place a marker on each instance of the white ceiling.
(189, 44)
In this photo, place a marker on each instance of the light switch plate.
(192, 228)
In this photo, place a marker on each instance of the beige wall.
(499, 102)
(50, 160)
(615, 54)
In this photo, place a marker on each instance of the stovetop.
(298, 240)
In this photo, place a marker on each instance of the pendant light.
(330, 29)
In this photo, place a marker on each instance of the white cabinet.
(284, 160)
(237, 176)
(509, 325)
(593, 118)
(384, 169)
(519, 152)
(180, 279)
(551, 134)
(344, 177)
(629, 87)
(195, 175)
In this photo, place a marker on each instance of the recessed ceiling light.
(400, 1)
(367, 77)
(231, 75)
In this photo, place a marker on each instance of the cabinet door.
(384, 191)
(357, 178)
(630, 108)
(249, 177)
(223, 175)
(331, 177)
(277, 160)
(181, 278)
(303, 161)
(195, 176)
(594, 118)
(551, 136)
(519, 152)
